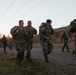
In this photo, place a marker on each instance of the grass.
(9, 67)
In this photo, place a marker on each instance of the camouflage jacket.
(4, 40)
(73, 26)
(31, 31)
(47, 31)
(19, 35)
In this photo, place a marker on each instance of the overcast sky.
(61, 12)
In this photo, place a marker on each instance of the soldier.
(31, 32)
(4, 42)
(19, 37)
(72, 30)
(65, 37)
(46, 34)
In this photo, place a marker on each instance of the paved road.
(56, 56)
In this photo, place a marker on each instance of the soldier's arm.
(34, 31)
(42, 33)
(2, 39)
(61, 38)
(14, 31)
(52, 33)
(6, 39)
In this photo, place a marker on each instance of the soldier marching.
(31, 32)
(19, 37)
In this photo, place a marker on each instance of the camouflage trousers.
(74, 51)
(29, 48)
(75, 44)
(65, 45)
(4, 46)
(20, 47)
(47, 48)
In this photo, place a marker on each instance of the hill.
(58, 31)
(1, 35)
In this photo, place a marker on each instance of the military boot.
(46, 59)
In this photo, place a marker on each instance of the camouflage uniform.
(73, 30)
(30, 32)
(19, 38)
(4, 42)
(46, 34)
(65, 37)
(74, 51)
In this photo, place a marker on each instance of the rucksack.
(41, 26)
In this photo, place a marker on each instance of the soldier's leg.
(50, 47)
(74, 51)
(4, 47)
(46, 57)
(67, 47)
(28, 56)
(45, 51)
(63, 46)
(18, 57)
(27, 52)
(18, 61)
(22, 51)
(21, 56)
(75, 47)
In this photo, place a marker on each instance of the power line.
(25, 3)
(34, 7)
(7, 9)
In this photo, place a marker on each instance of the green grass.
(9, 67)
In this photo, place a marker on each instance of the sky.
(61, 12)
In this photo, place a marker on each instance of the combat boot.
(68, 51)
(63, 50)
(46, 59)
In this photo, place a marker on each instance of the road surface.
(57, 56)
